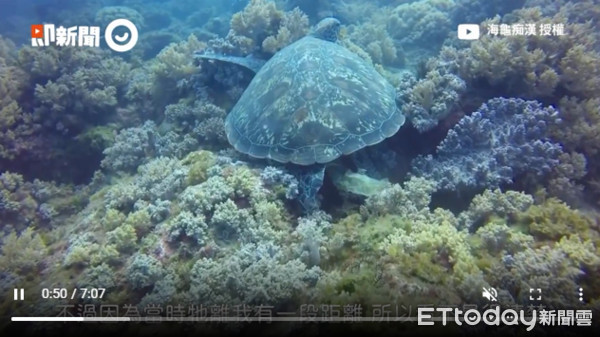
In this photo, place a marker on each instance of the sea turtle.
(310, 103)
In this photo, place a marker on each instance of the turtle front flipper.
(310, 179)
(247, 62)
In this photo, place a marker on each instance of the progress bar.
(70, 319)
(222, 319)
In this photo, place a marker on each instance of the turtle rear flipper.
(248, 62)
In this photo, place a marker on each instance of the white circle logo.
(118, 46)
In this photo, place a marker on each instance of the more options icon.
(468, 31)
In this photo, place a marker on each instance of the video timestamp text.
(76, 293)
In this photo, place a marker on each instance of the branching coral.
(175, 62)
(582, 252)
(357, 11)
(294, 25)
(230, 221)
(262, 28)
(85, 87)
(581, 121)
(258, 20)
(138, 145)
(187, 225)
(86, 250)
(434, 249)
(100, 276)
(109, 13)
(203, 197)
(578, 132)
(198, 162)
(411, 198)
(255, 274)
(396, 229)
(123, 238)
(546, 245)
(32, 204)
(427, 101)
(497, 238)
(130, 148)
(420, 21)
(504, 138)
(580, 73)
(505, 204)
(532, 66)
(71, 90)
(236, 205)
(204, 120)
(554, 219)
(166, 78)
(376, 41)
(23, 253)
(545, 268)
(159, 179)
(272, 176)
(563, 182)
(144, 271)
(17, 127)
(163, 291)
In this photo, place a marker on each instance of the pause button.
(19, 294)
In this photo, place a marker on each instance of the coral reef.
(22, 254)
(429, 100)
(130, 147)
(35, 204)
(504, 204)
(174, 63)
(396, 228)
(377, 42)
(203, 120)
(262, 28)
(420, 21)
(556, 68)
(109, 13)
(503, 139)
(542, 267)
(69, 91)
(186, 225)
(273, 176)
(294, 25)
(532, 66)
(160, 179)
(581, 119)
(554, 219)
(16, 126)
(413, 197)
(82, 86)
(144, 271)
(577, 132)
(255, 274)
(138, 145)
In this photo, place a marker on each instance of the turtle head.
(327, 29)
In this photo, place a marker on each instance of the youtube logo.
(37, 31)
(468, 31)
